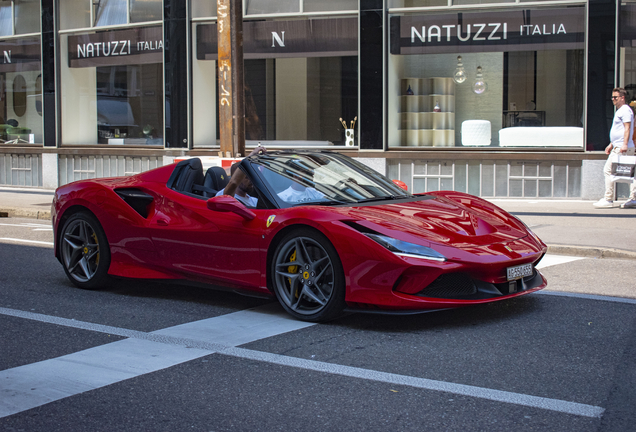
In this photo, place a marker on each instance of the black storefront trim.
(49, 61)
(372, 77)
(600, 71)
(176, 73)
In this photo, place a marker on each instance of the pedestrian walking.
(621, 142)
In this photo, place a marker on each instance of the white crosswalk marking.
(550, 260)
(36, 384)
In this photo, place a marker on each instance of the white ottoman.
(476, 133)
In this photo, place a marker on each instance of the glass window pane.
(6, 23)
(74, 14)
(419, 185)
(118, 103)
(253, 7)
(460, 176)
(574, 180)
(468, 2)
(529, 188)
(202, 8)
(329, 5)
(545, 188)
(20, 119)
(416, 3)
(27, 16)
(146, 10)
(110, 12)
(487, 179)
(527, 89)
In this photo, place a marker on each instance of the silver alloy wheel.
(80, 250)
(304, 275)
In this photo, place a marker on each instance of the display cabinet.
(427, 112)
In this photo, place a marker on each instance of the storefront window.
(74, 14)
(112, 87)
(258, 7)
(27, 16)
(110, 12)
(146, 10)
(416, 3)
(300, 80)
(20, 92)
(510, 79)
(6, 20)
(78, 14)
(253, 7)
(19, 17)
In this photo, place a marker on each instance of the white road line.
(14, 240)
(423, 383)
(36, 384)
(28, 225)
(550, 260)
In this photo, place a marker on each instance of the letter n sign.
(280, 39)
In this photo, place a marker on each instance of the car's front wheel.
(307, 276)
(84, 251)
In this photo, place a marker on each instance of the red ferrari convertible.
(317, 230)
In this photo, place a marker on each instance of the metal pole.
(230, 64)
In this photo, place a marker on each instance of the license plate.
(519, 272)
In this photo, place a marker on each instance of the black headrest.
(190, 173)
(216, 178)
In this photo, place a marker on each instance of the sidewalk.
(568, 227)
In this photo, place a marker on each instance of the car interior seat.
(215, 179)
(188, 175)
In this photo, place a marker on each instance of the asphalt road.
(146, 356)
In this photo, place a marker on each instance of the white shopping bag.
(623, 168)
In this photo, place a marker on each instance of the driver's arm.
(239, 175)
(234, 182)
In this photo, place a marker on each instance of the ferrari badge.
(270, 220)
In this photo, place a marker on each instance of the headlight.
(532, 233)
(407, 249)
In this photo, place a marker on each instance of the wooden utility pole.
(230, 64)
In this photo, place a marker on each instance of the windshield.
(323, 178)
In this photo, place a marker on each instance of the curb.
(25, 213)
(591, 252)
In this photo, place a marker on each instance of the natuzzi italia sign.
(116, 47)
(521, 30)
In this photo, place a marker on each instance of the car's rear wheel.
(307, 276)
(84, 251)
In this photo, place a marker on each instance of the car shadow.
(474, 315)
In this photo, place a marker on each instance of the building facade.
(496, 98)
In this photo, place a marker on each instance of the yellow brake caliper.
(97, 243)
(292, 269)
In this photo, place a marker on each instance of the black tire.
(84, 251)
(309, 285)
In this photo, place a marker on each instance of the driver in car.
(239, 186)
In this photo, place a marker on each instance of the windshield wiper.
(384, 198)
(325, 203)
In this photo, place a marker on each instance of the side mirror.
(229, 204)
(401, 184)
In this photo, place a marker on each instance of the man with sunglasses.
(621, 142)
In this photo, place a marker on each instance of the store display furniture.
(538, 136)
(476, 133)
(420, 124)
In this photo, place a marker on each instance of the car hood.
(457, 220)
